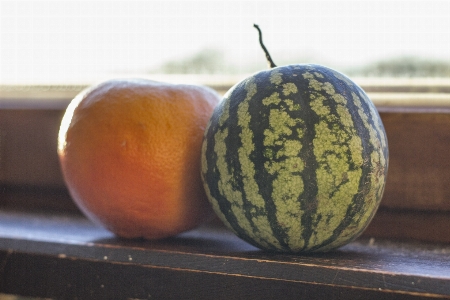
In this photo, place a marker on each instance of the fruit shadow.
(195, 241)
(226, 243)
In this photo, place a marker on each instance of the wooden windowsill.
(48, 249)
(64, 256)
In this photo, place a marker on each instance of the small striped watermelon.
(295, 158)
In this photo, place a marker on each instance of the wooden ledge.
(67, 257)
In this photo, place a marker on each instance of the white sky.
(44, 41)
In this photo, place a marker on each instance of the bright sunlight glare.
(80, 41)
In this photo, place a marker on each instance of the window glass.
(67, 42)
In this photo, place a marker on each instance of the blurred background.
(79, 42)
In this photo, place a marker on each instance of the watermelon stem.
(269, 59)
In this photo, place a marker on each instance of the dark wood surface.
(64, 256)
(418, 137)
(421, 225)
(419, 168)
(60, 255)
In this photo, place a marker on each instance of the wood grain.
(419, 164)
(67, 257)
(418, 182)
(430, 226)
(28, 141)
(419, 139)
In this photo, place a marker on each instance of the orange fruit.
(130, 155)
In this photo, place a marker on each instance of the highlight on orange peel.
(130, 155)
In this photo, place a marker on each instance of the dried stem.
(269, 59)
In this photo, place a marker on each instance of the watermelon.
(295, 158)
